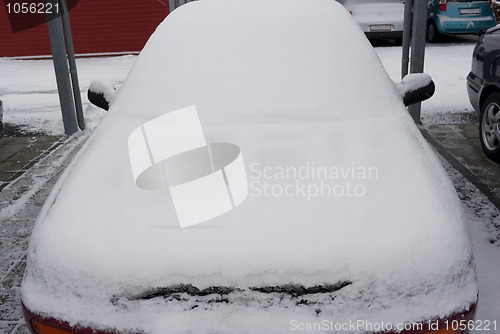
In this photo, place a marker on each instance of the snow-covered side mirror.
(416, 87)
(101, 93)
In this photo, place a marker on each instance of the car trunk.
(465, 9)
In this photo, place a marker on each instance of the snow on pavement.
(484, 227)
(448, 65)
(20, 203)
(29, 92)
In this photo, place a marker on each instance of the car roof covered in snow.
(341, 185)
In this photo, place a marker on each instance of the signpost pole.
(58, 47)
(418, 48)
(405, 61)
(68, 37)
(66, 75)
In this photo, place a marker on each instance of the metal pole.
(72, 64)
(418, 48)
(405, 59)
(57, 45)
(1, 118)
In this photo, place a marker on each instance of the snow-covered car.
(378, 18)
(317, 205)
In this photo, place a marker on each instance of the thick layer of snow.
(290, 93)
(484, 225)
(29, 91)
(412, 82)
(103, 87)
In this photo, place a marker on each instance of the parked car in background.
(483, 87)
(378, 18)
(350, 218)
(458, 17)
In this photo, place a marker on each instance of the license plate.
(381, 27)
(468, 11)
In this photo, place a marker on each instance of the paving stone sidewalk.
(460, 145)
(18, 154)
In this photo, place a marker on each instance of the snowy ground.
(28, 91)
(484, 226)
(448, 65)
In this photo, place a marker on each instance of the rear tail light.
(38, 324)
(45, 329)
(442, 5)
(457, 323)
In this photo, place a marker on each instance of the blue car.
(458, 17)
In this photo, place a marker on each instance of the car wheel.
(489, 127)
(432, 33)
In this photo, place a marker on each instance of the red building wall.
(98, 26)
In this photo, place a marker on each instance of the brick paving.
(19, 154)
(461, 141)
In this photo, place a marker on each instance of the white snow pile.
(412, 82)
(30, 97)
(347, 203)
(103, 87)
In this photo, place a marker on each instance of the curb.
(464, 143)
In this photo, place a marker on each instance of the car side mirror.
(416, 87)
(101, 93)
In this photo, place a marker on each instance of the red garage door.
(98, 26)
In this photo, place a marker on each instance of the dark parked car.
(483, 87)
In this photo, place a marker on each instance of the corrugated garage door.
(98, 26)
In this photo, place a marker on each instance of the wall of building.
(98, 27)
